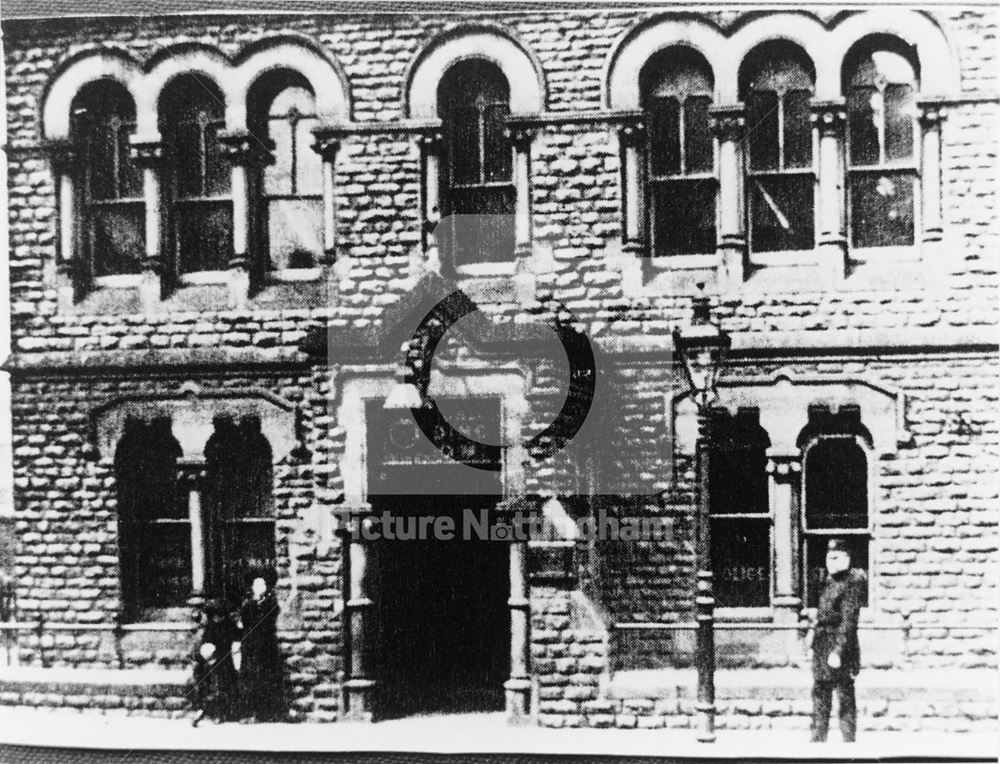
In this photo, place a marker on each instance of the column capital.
(632, 133)
(242, 147)
(728, 122)
(784, 465)
(521, 136)
(64, 155)
(932, 113)
(146, 154)
(430, 140)
(326, 146)
(191, 473)
(830, 117)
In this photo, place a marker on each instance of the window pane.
(165, 564)
(101, 162)
(698, 154)
(246, 546)
(738, 481)
(308, 164)
(781, 210)
(497, 152)
(463, 147)
(882, 209)
(899, 106)
(482, 230)
(278, 176)
(664, 136)
(741, 561)
(836, 485)
(816, 563)
(186, 158)
(762, 130)
(117, 238)
(295, 232)
(218, 173)
(798, 130)
(683, 217)
(864, 113)
(204, 235)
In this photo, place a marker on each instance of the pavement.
(28, 735)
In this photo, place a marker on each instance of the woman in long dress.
(214, 677)
(261, 683)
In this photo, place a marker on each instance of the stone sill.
(957, 684)
(92, 678)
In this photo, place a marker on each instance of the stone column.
(522, 138)
(517, 689)
(784, 470)
(359, 687)
(149, 156)
(932, 114)
(72, 272)
(829, 118)
(246, 152)
(327, 147)
(430, 150)
(632, 140)
(728, 125)
(192, 479)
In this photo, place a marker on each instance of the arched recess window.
(103, 118)
(239, 506)
(835, 484)
(154, 529)
(282, 108)
(477, 167)
(740, 511)
(199, 180)
(880, 80)
(776, 84)
(676, 86)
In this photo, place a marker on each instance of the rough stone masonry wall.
(67, 552)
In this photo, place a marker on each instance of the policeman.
(834, 643)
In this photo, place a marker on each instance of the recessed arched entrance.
(441, 639)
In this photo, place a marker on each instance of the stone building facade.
(230, 238)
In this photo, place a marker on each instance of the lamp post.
(702, 347)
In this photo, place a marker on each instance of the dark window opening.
(239, 506)
(477, 164)
(282, 108)
(777, 83)
(199, 184)
(103, 118)
(740, 511)
(676, 87)
(836, 503)
(154, 526)
(881, 85)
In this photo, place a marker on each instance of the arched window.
(835, 484)
(476, 177)
(239, 505)
(776, 83)
(282, 108)
(881, 84)
(676, 88)
(199, 181)
(154, 529)
(103, 118)
(740, 510)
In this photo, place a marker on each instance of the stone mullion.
(632, 139)
(431, 143)
(784, 479)
(728, 125)
(522, 139)
(830, 118)
(328, 147)
(148, 155)
(192, 476)
(74, 272)
(932, 115)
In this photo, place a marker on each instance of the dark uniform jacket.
(837, 626)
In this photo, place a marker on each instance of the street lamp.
(702, 347)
